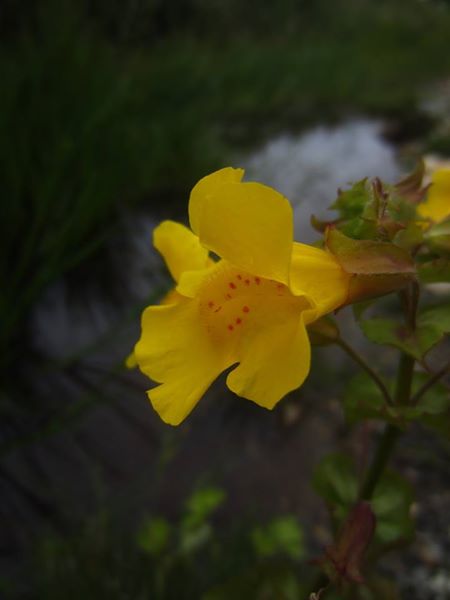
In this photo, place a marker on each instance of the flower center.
(231, 300)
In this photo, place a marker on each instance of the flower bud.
(343, 560)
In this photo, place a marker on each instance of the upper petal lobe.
(248, 224)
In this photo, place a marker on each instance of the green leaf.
(153, 536)
(437, 316)
(436, 399)
(193, 539)
(438, 236)
(415, 343)
(440, 424)
(282, 536)
(358, 211)
(201, 505)
(391, 503)
(359, 228)
(434, 407)
(335, 481)
(350, 203)
(435, 271)
(363, 400)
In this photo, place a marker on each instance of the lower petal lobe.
(177, 352)
(274, 356)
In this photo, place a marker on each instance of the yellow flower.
(250, 308)
(436, 208)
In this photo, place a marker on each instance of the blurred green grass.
(186, 558)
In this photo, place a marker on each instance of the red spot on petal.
(239, 277)
(210, 304)
(238, 321)
(228, 296)
(280, 286)
(217, 309)
(245, 309)
(232, 285)
(257, 280)
(230, 327)
(247, 282)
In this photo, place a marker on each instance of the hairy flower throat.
(232, 300)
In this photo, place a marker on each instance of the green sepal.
(411, 187)
(320, 225)
(410, 237)
(376, 268)
(350, 203)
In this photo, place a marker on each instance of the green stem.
(368, 369)
(404, 380)
(379, 462)
(391, 433)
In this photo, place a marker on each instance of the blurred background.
(109, 113)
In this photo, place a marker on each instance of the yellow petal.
(180, 248)
(318, 275)
(191, 281)
(131, 361)
(206, 187)
(437, 206)
(175, 351)
(274, 360)
(248, 224)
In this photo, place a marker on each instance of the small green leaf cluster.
(382, 212)
(283, 535)
(259, 558)
(157, 535)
